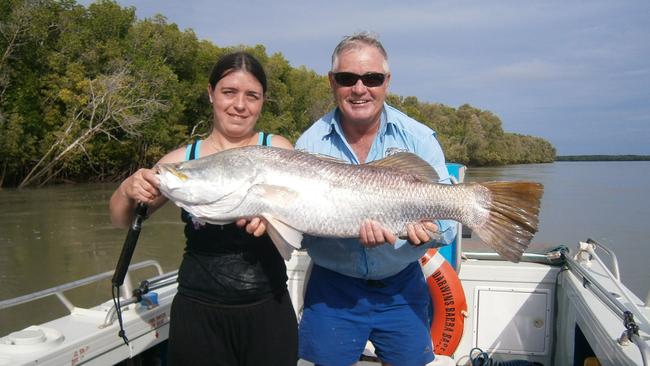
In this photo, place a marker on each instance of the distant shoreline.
(603, 158)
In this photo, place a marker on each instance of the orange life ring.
(449, 303)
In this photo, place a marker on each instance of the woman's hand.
(142, 186)
(255, 226)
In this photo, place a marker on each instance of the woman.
(232, 305)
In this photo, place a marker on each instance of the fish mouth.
(171, 168)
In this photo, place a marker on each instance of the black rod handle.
(129, 245)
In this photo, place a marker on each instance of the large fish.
(298, 192)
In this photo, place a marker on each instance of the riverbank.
(603, 158)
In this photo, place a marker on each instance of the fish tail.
(513, 217)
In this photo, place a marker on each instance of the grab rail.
(616, 271)
(59, 290)
(625, 314)
(588, 248)
(612, 255)
(552, 257)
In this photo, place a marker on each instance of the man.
(371, 288)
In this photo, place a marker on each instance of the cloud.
(534, 70)
(552, 68)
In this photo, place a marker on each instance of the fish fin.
(285, 238)
(409, 163)
(512, 219)
(328, 158)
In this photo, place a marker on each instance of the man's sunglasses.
(370, 79)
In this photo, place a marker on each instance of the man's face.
(360, 104)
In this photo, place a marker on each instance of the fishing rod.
(123, 263)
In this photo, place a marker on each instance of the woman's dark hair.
(234, 62)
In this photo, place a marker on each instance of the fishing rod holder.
(146, 286)
(154, 283)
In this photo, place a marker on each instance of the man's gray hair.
(357, 41)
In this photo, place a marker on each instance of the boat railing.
(616, 271)
(611, 254)
(552, 257)
(588, 247)
(627, 313)
(59, 291)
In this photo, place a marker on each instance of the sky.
(576, 73)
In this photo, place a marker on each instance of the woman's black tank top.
(223, 264)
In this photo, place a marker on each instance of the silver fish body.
(298, 193)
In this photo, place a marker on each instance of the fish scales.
(306, 193)
(355, 193)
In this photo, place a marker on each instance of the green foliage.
(93, 93)
(603, 158)
(474, 137)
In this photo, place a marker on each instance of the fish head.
(203, 181)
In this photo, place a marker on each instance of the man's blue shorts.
(341, 313)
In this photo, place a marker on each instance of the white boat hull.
(528, 311)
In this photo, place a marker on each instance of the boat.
(557, 306)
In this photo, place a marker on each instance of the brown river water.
(54, 235)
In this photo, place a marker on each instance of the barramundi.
(301, 193)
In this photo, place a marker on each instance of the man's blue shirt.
(396, 131)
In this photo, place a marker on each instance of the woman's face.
(237, 102)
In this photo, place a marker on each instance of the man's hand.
(372, 233)
(421, 232)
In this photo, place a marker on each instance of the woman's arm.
(141, 186)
